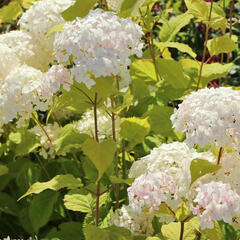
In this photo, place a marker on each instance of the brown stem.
(230, 36)
(43, 129)
(90, 191)
(79, 89)
(106, 190)
(116, 186)
(97, 140)
(97, 204)
(182, 231)
(219, 155)
(169, 208)
(199, 235)
(205, 46)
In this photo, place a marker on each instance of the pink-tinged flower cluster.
(56, 76)
(148, 191)
(215, 201)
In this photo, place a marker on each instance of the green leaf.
(127, 7)
(200, 10)
(69, 138)
(80, 9)
(27, 3)
(213, 71)
(221, 44)
(172, 231)
(79, 202)
(58, 182)
(134, 129)
(8, 204)
(10, 11)
(163, 209)
(173, 26)
(201, 167)
(54, 29)
(41, 208)
(92, 232)
(176, 78)
(144, 70)
(66, 231)
(159, 119)
(101, 154)
(179, 46)
(182, 212)
(3, 169)
(118, 180)
(213, 234)
(111, 233)
(24, 141)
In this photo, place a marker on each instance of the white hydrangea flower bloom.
(137, 223)
(26, 49)
(47, 148)
(20, 94)
(86, 124)
(174, 159)
(9, 61)
(215, 201)
(210, 116)
(41, 17)
(99, 44)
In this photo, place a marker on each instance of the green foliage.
(41, 208)
(176, 78)
(10, 11)
(221, 44)
(66, 231)
(101, 154)
(79, 9)
(58, 182)
(134, 129)
(173, 26)
(182, 212)
(127, 7)
(213, 234)
(8, 204)
(24, 141)
(201, 167)
(3, 170)
(69, 138)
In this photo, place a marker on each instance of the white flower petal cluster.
(9, 61)
(86, 124)
(26, 49)
(150, 190)
(20, 94)
(47, 148)
(215, 201)
(210, 116)
(137, 223)
(174, 159)
(99, 44)
(56, 76)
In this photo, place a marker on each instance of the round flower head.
(26, 49)
(215, 201)
(41, 17)
(99, 44)
(21, 94)
(137, 223)
(174, 159)
(150, 190)
(210, 116)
